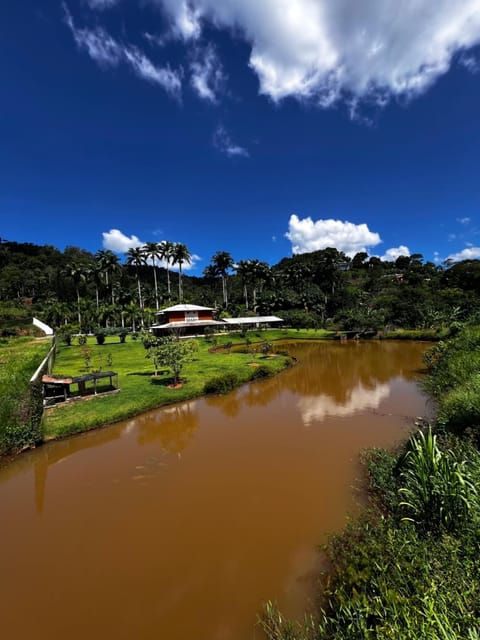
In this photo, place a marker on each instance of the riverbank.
(141, 390)
(410, 566)
(137, 391)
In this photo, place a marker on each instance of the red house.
(191, 318)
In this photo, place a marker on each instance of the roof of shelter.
(185, 307)
(252, 319)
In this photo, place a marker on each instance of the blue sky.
(258, 127)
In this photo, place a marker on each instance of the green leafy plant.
(437, 490)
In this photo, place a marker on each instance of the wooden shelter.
(56, 389)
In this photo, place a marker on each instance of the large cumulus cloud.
(324, 50)
(307, 235)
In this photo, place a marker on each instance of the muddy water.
(180, 523)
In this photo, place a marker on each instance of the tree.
(166, 254)
(222, 261)
(245, 272)
(76, 272)
(108, 263)
(93, 273)
(153, 250)
(180, 254)
(171, 353)
(136, 257)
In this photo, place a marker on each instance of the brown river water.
(181, 523)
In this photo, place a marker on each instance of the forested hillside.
(320, 289)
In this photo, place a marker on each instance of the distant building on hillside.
(191, 319)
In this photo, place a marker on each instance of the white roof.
(252, 320)
(186, 307)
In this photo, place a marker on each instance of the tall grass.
(20, 358)
(438, 491)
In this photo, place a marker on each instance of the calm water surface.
(179, 524)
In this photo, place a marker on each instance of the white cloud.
(207, 74)
(470, 253)
(307, 235)
(101, 4)
(325, 50)
(118, 242)
(463, 220)
(470, 62)
(223, 142)
(108, 52)
(392, 254)
(316, 409)
(185, 17)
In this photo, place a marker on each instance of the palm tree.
(180, 255)
(166, 254)
(260, 273)
(108, 263)
(136, 257)
(245, 272)
(152, 250)
(222, 261)
(93, 273)
(76, 272)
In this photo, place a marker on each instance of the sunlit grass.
(135, 372)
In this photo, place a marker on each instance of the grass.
(135, 371)
(430, 335)
(19, 358)
(387, 578)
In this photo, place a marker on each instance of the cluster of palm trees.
(102, 272)
(171, 253)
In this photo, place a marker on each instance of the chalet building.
(191, 319)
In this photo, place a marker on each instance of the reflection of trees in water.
(335, 378)
(173, 427)
(51, 453)
(335, 369)
(229, 404)
(344, 372)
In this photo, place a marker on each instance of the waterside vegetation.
(410, 566)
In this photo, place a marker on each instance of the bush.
(100, 337)
(123, 336)
(82, 340)
(221, 384)
(459, 409)
(261, 372)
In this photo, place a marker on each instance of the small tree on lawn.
(168, 352)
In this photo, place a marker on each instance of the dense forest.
(324, 288)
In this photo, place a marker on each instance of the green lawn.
(137, 391)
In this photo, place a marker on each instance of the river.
(180, 523)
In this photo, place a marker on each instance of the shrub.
(261, 372)
(221, 384)
(82, 340)
(100, 337)
(459, 409)
(123, 336)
